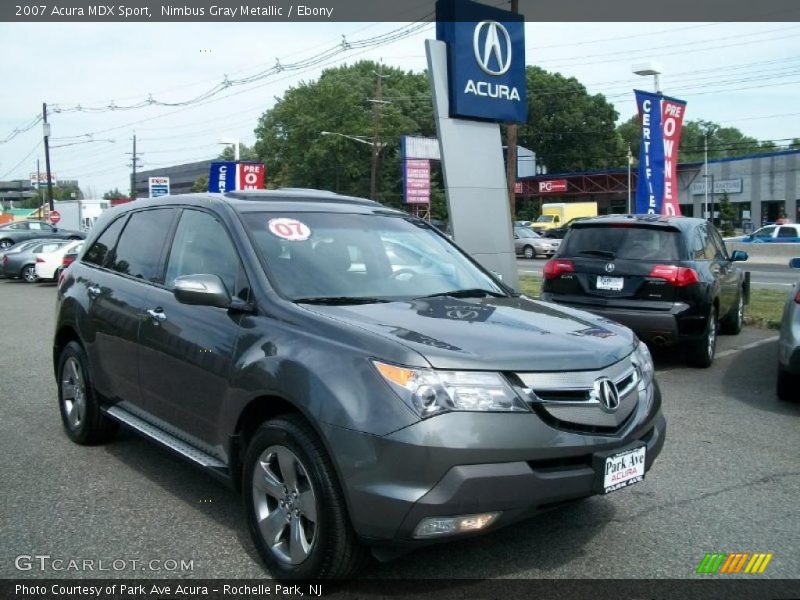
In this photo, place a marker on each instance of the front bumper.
(467, 463)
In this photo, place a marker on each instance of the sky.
(745, 75)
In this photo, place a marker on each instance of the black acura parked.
(670, 279)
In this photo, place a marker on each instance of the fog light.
(436, 526)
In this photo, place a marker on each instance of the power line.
(20, 163)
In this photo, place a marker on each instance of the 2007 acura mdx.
(357, 402)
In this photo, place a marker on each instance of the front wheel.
(5, 244)
(700, 353)
(733, 321)
(295, 508)
(528, 252)
(28, 274)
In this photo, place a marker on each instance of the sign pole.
(46, 127)
(511, 154)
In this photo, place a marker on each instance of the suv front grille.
(569, 399)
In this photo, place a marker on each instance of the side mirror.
(794, 263)
(739, 256)
(202, 290)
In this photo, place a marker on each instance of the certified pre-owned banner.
(657, 183)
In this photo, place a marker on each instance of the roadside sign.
(552, 186)
(55, 216)
(159, 186)
(227, 176)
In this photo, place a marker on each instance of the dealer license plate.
(623, 469)
(610, 283)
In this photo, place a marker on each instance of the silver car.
(21, 263)
(789, 344)
(530, 244)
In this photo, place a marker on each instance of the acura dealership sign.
(486, 60)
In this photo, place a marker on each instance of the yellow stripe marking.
(767, 558)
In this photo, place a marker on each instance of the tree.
(289, 136)
(200, 184)
(568, 128)
(114, 194)
(245, 153)
(727, 215)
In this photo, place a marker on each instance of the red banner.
(672, 112)
(250, 176)
(552, 186)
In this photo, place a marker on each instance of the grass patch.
(765, 308)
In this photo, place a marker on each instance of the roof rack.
(298, 195)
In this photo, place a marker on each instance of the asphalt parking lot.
(728, 480)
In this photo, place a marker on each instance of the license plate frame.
(610, 284)
(620, 468)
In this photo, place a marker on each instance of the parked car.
(352, 408)
(788, 384)
(18, 231)
(530, 244)
(15, 248)
(22, 263)
(48, 264)
(70, 257)
(784, 234)
(670, 279)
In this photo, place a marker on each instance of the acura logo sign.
(605, 392)
(494, 54)
(610, 268)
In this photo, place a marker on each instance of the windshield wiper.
(469, 293)
(333, 300)
(603, 253)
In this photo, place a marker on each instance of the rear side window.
(787, 232)
(100, 250)
(628, 242)
(139, 250)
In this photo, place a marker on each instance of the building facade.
(181, 177)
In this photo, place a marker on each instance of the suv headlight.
(431, 392)
(644, 362)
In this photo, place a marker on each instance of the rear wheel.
(5, 244)
(700, 353)
(733, 321)
(788, 386)
(83, 420)
(28, 274)
(529, 252)
(295, 507)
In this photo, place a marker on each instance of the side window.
(787, 232)
(202, 246)
(38, 227)
(701, 244)
(139, 250)
(720, 250)
(764, 232)
(101, 249)
(19, 226)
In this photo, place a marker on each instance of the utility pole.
(46, 131)
(133, 164)
(511, 152)
(377, 104)
(705, 175)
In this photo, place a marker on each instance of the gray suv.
(359, 405)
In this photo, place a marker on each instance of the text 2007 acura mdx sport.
(361, 379)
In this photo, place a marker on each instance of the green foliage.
(114, 194)
(245, 153)
(568, 128)
(727, 215)
(201, 184)
(289, 136)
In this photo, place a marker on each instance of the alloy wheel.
(73, 393)
(29, 274)
(285, 504)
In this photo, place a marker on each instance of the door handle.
(157, 314)
(94, 291)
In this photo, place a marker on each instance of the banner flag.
(657, 183)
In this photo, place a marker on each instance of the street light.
(355, 138)
(232, 142)
(649, 68)
(376, 150)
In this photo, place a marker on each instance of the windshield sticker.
(289, 229)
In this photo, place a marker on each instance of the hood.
(499, 334)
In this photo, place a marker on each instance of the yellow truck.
(558, 213)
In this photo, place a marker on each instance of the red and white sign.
(289, 229)
(552, 186)
(250, 176)
(671, 125)
(39, 179)
(418, 180)
(55, 216)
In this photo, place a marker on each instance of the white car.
(49, 263)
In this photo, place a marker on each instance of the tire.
(528, 252)
(700, 353)
(83, 420)
(5, 244)
(787, 386)
(326, 546)
(28, 274)
(733, 321)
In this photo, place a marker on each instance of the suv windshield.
(628, 242)
(380, 257)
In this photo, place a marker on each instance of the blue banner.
(222, 177)
(650, 182)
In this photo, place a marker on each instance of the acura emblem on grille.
(605, 391)
(610, 268)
